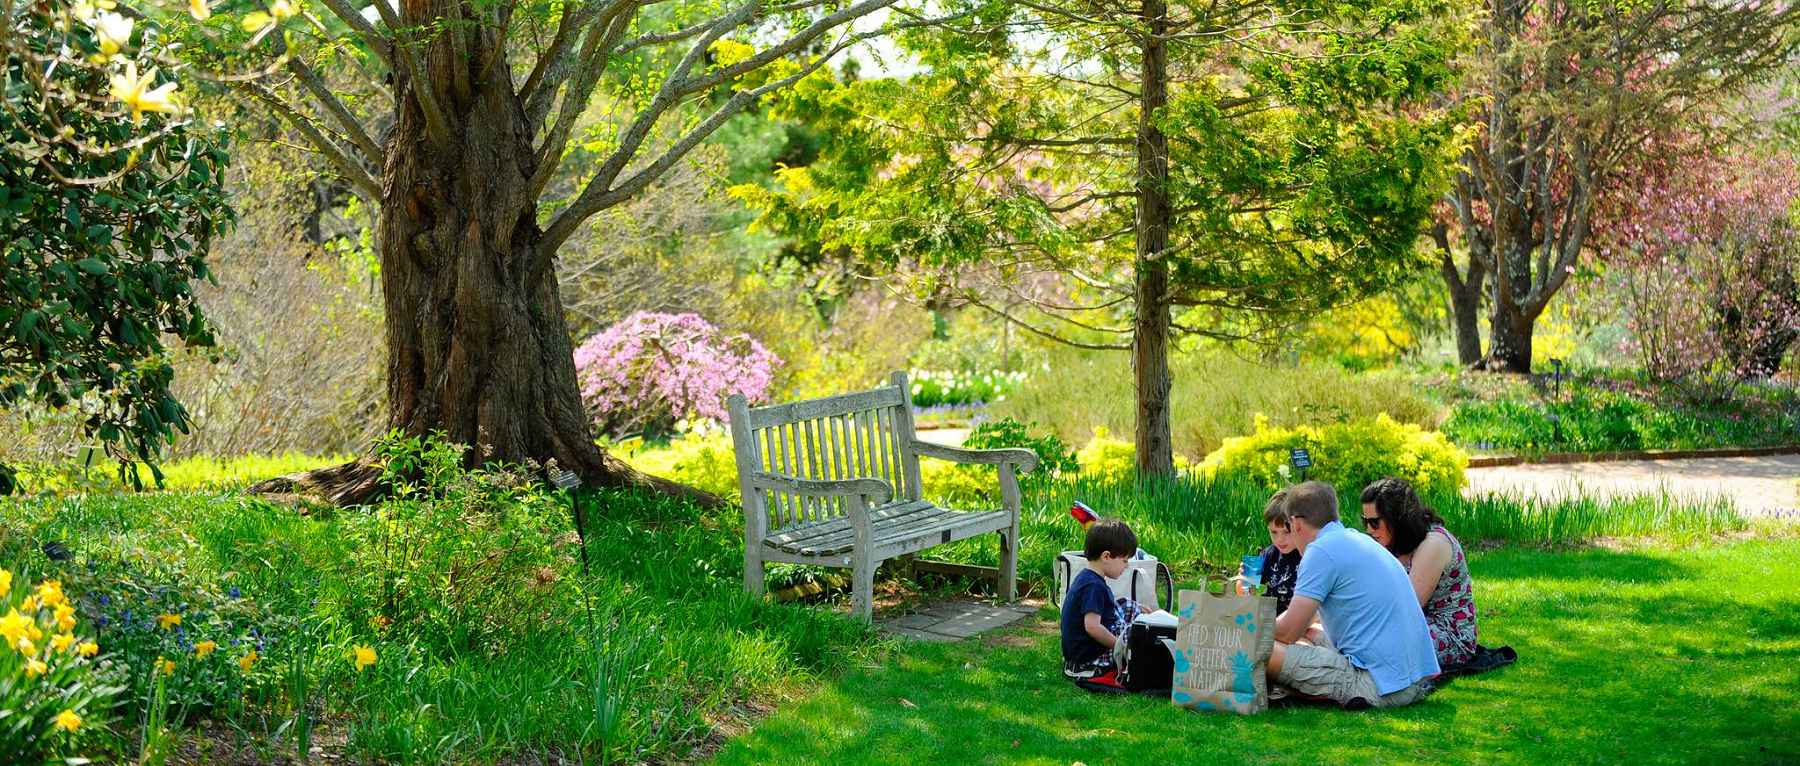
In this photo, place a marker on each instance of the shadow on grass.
(1655, 658)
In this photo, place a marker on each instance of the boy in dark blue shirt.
(1281, 560)
(1093, 620)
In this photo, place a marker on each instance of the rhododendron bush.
(650, 370)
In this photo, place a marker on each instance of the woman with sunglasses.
(1395, 517)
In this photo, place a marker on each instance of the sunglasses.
(1371, 522)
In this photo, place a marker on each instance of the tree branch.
(353, 172)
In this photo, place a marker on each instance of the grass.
(191, 474)
(1197, 525)
(1641, 655)
(491, 643)
(494, 647)
(1604, 412)
(1215, 395)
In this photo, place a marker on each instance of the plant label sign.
(1300, 458)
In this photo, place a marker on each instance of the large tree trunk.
(1150, 328)
(1465, 295)
(478, 351)
(1509, 336)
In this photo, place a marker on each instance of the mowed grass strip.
(1640, 655)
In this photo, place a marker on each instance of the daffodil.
(166, 620)
(113, 32)
(26, 647)
(65, 618)
(88, 649)
(50, 594)
(198, 9)
(204, 648)
(165, 666)
(5, 583)
(36, 668)
(61, 643)
(28, 605)
(249, 659)
(68, 720)
(137, 95)
(14, 626)
(364, 657)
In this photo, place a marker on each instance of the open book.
(1162, 619)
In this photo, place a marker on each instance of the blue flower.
(105, 600)
(234, 592)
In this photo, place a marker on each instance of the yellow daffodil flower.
(65, 618)
(164, 620)
(247, 660)
(204, 648)
(364, 657)
(113, 32)
(88, 649)
(165, 666)
(61, 643)
(137, 95)
(35, 668)
(68, 720)
(198, 9)
(14, 626)
(5, 583)
(50, 594)
(26, 647)
(29, 605)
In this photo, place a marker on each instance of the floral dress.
(1450, 612)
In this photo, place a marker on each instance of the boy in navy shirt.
(1093, 621)
(1281, 560)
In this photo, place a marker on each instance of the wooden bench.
(835, 482)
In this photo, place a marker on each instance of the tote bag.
(1222, 647)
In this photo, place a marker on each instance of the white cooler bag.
(1141, 581)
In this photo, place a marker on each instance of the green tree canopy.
(107, 203)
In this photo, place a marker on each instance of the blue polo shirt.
(1368, 607)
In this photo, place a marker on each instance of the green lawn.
(1641, 655)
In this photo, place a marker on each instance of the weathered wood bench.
(835, 482)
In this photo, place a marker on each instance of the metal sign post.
(1301, 460)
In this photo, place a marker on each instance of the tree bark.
(1509, 334)
(1150, 326)
(1464, 285)
(478, 350)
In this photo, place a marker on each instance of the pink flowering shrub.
(1710, 275)
(650, 370)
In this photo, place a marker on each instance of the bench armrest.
(1023, 458)
(877, 489)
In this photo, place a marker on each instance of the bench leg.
(1009, 563)
(862, 589)
(753, 572)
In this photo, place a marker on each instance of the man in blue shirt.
(1381, 653)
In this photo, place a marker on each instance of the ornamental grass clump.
(650, 370)
(55, 688)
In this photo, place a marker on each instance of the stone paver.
(1760, 486)
(957, 620)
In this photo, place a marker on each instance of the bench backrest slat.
(858, 435)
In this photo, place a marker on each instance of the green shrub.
(1106, 457)
(702, 457)
(1216, 395)
(1054, 456)
(1349, 455)
(1597, 419)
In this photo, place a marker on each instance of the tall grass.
(1200, 526)
(1215, 395)
(190, 474)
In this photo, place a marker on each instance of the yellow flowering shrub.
(1349, 455)
(51, 683)
(702, 458)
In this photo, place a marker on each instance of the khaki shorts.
(1319, 671)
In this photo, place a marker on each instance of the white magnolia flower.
(113, 31)
(137, 95)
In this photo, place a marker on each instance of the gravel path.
(1759, 485)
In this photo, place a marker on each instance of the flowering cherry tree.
(651, 369)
